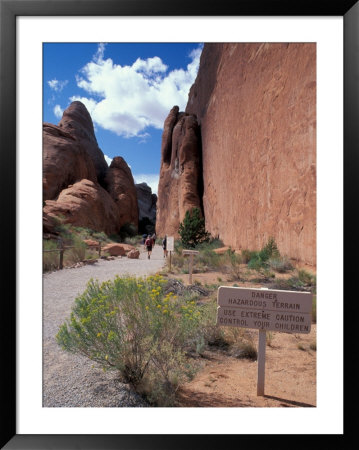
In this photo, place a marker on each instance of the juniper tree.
(192, 230)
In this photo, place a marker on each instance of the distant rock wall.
(146, 208)
(256, 108)
(121, 186)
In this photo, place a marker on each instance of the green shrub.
(270, 250)
(246, 256)
(280, 265)
(306, 278)
(259, 260)
(127, 230)
(134, 240)
(207, 259)
(50, 260)
(77, 253)
(234, 262)
(100, 236)
(192, 230)
(130, 325)
(255, 262)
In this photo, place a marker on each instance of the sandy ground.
(227, 381)
(224, 380)
(290, 377)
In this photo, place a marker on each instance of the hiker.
(164, 246)
(154, 239)
(148, 246)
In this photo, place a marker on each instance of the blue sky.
(128, 89)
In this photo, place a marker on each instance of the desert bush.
(211, 243)
(280, 265)
(130, 325)
(178, 261)
(306, 278)
(246, 349)
(207, 259)
(233, 262)
(313, 346)
(77, 253)
(302, 281)
(50, 260)
(246, 256)
(100, 236)
(259, 259)
(134, 240)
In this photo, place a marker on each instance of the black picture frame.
(9, 10)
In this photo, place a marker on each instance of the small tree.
(192, 229)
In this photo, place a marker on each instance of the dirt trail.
(70, 380)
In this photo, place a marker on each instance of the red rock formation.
(179, 184)
(133, 254)
(72, 159)
(65, 161)
(114, 249)
(86, 204)
(146, 208)
(77, 121)
(120, 185)
(256, 106)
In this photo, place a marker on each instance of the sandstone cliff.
(121, 187)
(180, 176)
(77, 121)
(86, 204)
(256, 108)
(76, 176)
(64, 161)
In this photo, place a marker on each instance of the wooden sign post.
(264, 309)
(170, 246)
(190, 253)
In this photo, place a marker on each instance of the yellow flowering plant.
(132, 325)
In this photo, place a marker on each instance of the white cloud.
(151, 179)
(58, 111)
(108, 160)
(128, 99)
(57, 85)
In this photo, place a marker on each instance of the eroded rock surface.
(179, 186)
(75, 176)
(77, 121)
(86, 204)
(65, 161)
(121, 186)
(256, 107)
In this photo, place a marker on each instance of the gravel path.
(70, 380)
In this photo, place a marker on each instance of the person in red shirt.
(148, 246)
